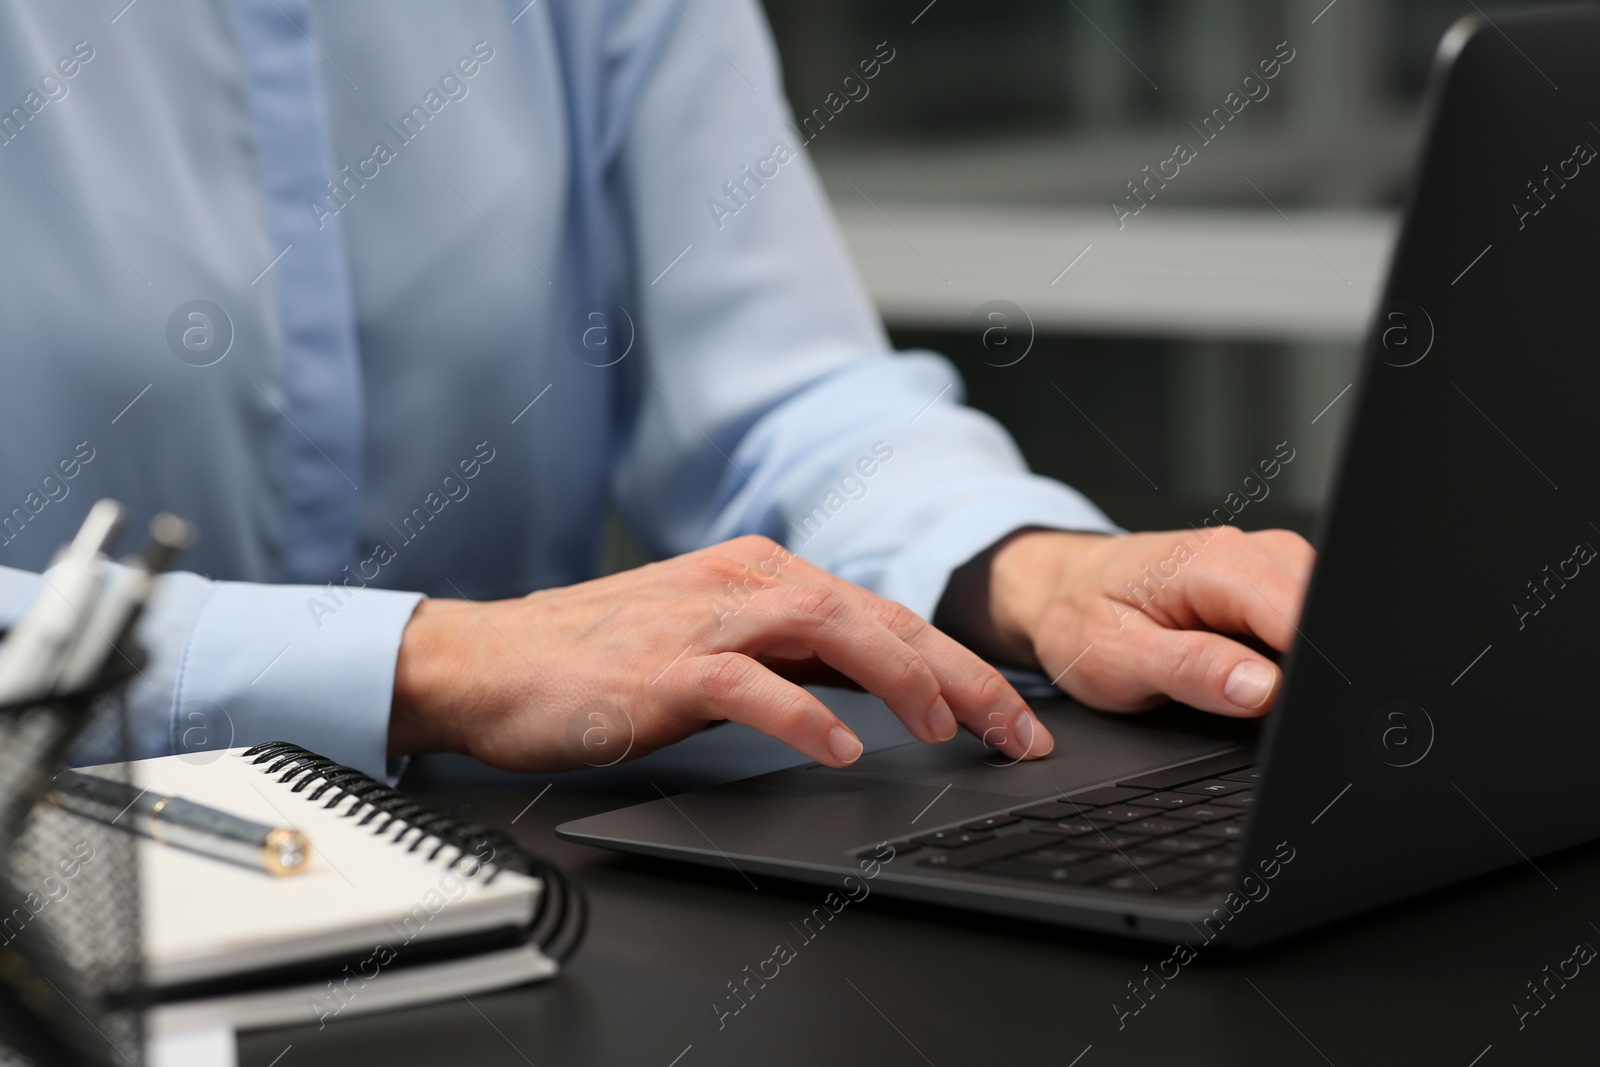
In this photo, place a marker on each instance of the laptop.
(1438, 719)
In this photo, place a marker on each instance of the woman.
(392, 304)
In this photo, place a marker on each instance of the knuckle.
(1292, 543)
(991, 689)
(812, 603)
(917, 677)
(1187, 661)
(757, 546)
(718, 569)
(1229, 534)
(899, 618)
(791, 713)
(724, 674)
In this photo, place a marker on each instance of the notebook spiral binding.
(562, 914)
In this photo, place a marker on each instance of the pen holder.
(71, 973)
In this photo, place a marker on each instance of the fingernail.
(941, 721)
(844, 745)
(1031, 735)
(1040, 743)
(1250, 685)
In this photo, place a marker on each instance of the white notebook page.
(205, 918)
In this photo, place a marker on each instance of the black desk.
(1432, 981)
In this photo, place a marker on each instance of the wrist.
(992, 602)
(1028, 572)
(427, 671)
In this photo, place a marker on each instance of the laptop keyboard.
(1176, 831)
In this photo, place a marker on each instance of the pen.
(278, 850)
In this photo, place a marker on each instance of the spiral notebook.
(399, 904)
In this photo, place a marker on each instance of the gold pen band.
(285, 851)
(155, 825)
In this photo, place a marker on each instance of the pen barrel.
(183, 823)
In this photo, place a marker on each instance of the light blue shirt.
(392, 299)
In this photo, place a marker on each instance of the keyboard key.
(1156, 827)
(1214, 787)
(900, 849)
(1073, 874)
(1250, 775)
(1065, 828)
(1157, 881)
(1057, 857)
(1141, 858)
(1111, 794)
(1204, 813)
(997, 848)
(1217, 859)
(1192, 772)
(1237, 800)
(952, 838)
(1049, 810)
(1109, 841)
(1182, 844)
(1221, 831)
(993, 822)
(1117, 813)
(1168, 800)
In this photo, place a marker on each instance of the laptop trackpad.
(1091, 747)
(812, 814)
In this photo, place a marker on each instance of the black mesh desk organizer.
(70, 970)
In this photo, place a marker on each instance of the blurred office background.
(1177, 351)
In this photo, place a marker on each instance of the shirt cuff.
(293, 663)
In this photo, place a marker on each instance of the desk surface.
(1431, 981)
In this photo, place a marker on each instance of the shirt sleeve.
(235, 663)
(769, 400)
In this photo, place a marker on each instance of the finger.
(1204, 670)
(1289, 549)
(823, 619)
(981, 698)
(735, 687)
(1234, 585)
(978, 696)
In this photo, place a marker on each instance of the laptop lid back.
(1440, 718)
